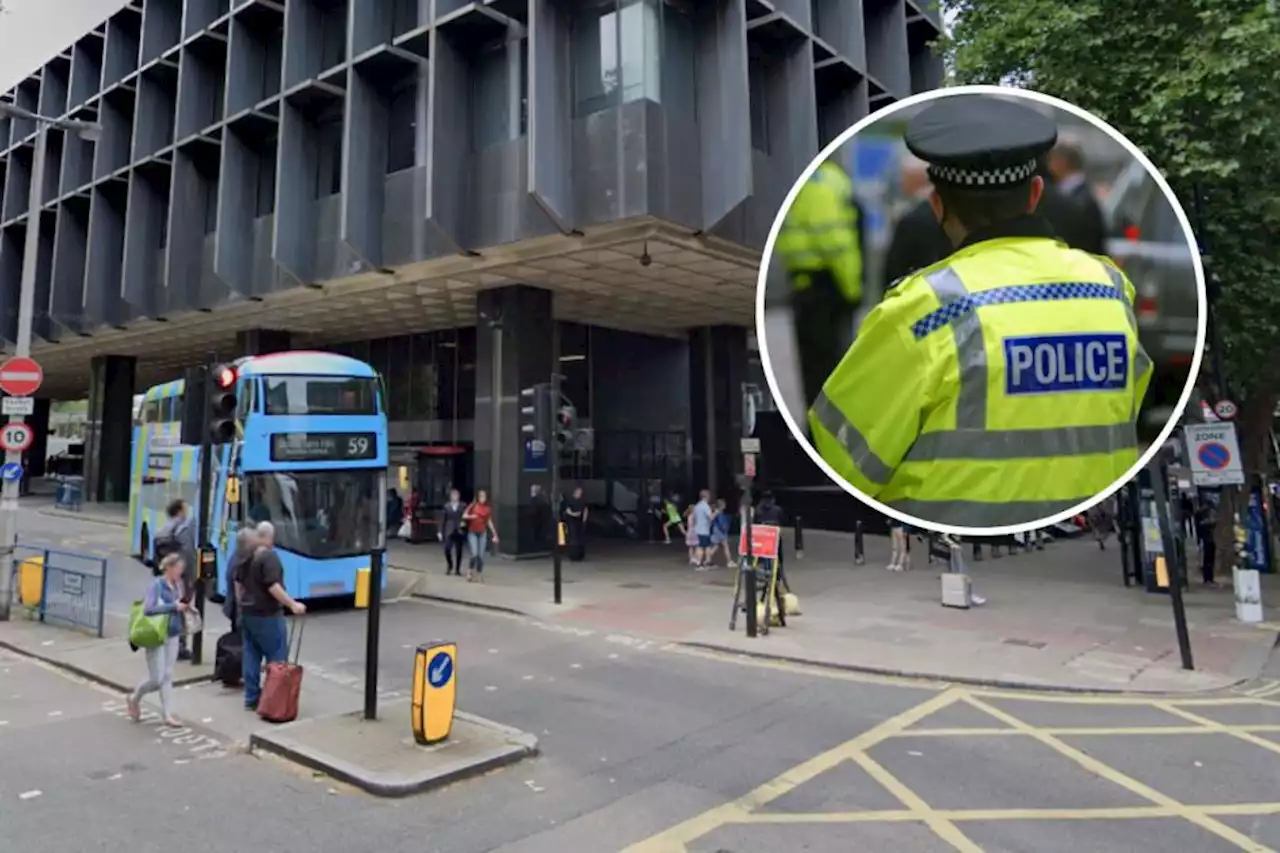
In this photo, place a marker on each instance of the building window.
(759, 116)
(624, 50)
(490, 96)
(575, 366)
(402, 126)
(329, 161)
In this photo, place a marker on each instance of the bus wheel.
(144, 548)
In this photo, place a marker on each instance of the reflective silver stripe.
(978, 514)
(854, 442)
(1023, 443)
(1141, 361)
(971, 351)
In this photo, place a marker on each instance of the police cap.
(980, 141)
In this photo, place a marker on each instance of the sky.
(34, 31)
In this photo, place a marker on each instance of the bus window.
(323, 514)
(171, 410)
(321, 395)
(244, 402)
(151, 412)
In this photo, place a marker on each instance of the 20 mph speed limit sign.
(15, 437)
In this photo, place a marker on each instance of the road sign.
(20, 376)
(21, 406)
(1214, 454)
(1225, 409)
(749, 464)
(11, 471)
(15, 437)
(750, 445)
(440, 671)
(764, 541)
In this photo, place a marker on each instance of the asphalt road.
(648, 749)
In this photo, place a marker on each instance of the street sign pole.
(553, 452)
(1176, 568)
(22, 349)
(205, 509)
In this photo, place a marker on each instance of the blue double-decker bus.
(310, 456)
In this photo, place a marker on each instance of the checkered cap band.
(1005, 176)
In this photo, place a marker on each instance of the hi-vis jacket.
(820, 233)
(996, 387)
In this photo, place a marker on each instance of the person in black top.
(539, 515)
(451, 533)
(261, 600)
(1079, 220)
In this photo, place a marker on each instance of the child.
(691, 539)
(720, 527)
(672, 519)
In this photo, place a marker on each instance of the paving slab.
(106, 661)
(381, 757)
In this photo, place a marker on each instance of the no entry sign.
(20, 377)
(15, 437)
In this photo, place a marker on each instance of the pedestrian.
(822, 247)
(480, 531)
(262, 600)
(965, 373)
(721, 524)
(899, 550)
(1102, 522)
(1205, 521)
(575, 516)
(178, 536)
(672, 518)
(1081, 224)
(451, 531)
(540, 515)
(395, 513)
(165, 597)
(700, 528)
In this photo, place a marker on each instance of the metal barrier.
(73, 586)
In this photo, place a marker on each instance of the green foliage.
(1193, 84)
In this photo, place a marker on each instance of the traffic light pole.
(204, 495)
(553, 455)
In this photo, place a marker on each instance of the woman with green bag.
(156, 631)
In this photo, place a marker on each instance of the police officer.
(1001, 384)
(820, 245)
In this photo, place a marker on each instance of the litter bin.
(31, 580)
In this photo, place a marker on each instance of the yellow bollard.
(435, 691)
(31, 580)
(362, 588)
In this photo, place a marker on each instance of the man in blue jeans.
(262, 601)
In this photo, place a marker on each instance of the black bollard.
(373, 633)
(799, 539)
(859, 555)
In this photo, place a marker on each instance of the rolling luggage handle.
(294, 651)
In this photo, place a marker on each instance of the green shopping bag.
(147, 632)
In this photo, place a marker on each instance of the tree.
(1191, 83)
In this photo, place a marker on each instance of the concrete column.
(515, 348)
(263, 341)
(109, 428)
(717, 369)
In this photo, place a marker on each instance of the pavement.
(1054, 619)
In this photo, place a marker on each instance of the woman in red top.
(479, 520)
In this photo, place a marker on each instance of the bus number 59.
(357, 447)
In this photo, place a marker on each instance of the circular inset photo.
(981, 310)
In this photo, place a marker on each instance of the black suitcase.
(228, 661)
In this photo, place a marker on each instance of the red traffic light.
(225, 376)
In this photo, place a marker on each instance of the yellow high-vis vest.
(997, 387)
(820, 233)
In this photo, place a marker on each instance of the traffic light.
(222, 404)
(533, 414)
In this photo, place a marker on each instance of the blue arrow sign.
(440, 670)
(11, 471)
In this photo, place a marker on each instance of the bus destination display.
(323, 446)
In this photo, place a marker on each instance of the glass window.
(491, 122)
(326, 514)
(759, 116)
(266, 190)
(595, 54)
(465, 390)
(633, 49)
(524, 86)
(151, 412)
(329, 162)
(402, 126)
(575, 366)
(321, 395)
(399, 369)
(424, 390)
(679, 61)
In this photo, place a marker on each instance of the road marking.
(1098, 768)
(985, 815)
(677, 838)
(1087, 731)
(943, 828)
(197, 744)
(1214, 727)
(29, 795)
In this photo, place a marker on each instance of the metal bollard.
(859, 555)
(799, 539)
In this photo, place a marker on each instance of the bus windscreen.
(322, 514)
(320, 395)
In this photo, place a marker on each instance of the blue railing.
(73, 588)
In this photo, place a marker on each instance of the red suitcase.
(282, 687)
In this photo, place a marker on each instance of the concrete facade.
(358, 170)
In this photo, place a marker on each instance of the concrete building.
(468, 195)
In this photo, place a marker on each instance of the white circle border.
(1201, 304)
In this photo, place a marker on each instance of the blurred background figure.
(821, 248)
(918, 240)
(1079, 222)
